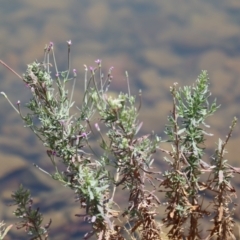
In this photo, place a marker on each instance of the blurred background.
(158, 42)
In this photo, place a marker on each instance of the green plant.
(126, 158)
(183, 183)
(30, 219)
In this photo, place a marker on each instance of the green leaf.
(181, 131)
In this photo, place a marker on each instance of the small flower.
(98, 61)
(63, 124)
(69, 43)
(74, 72)
(51, 153)
(110, 70)
(18, 102)
(84, 135)
(92, 69)
(97, 127)
(50, 46)
(57, 74)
